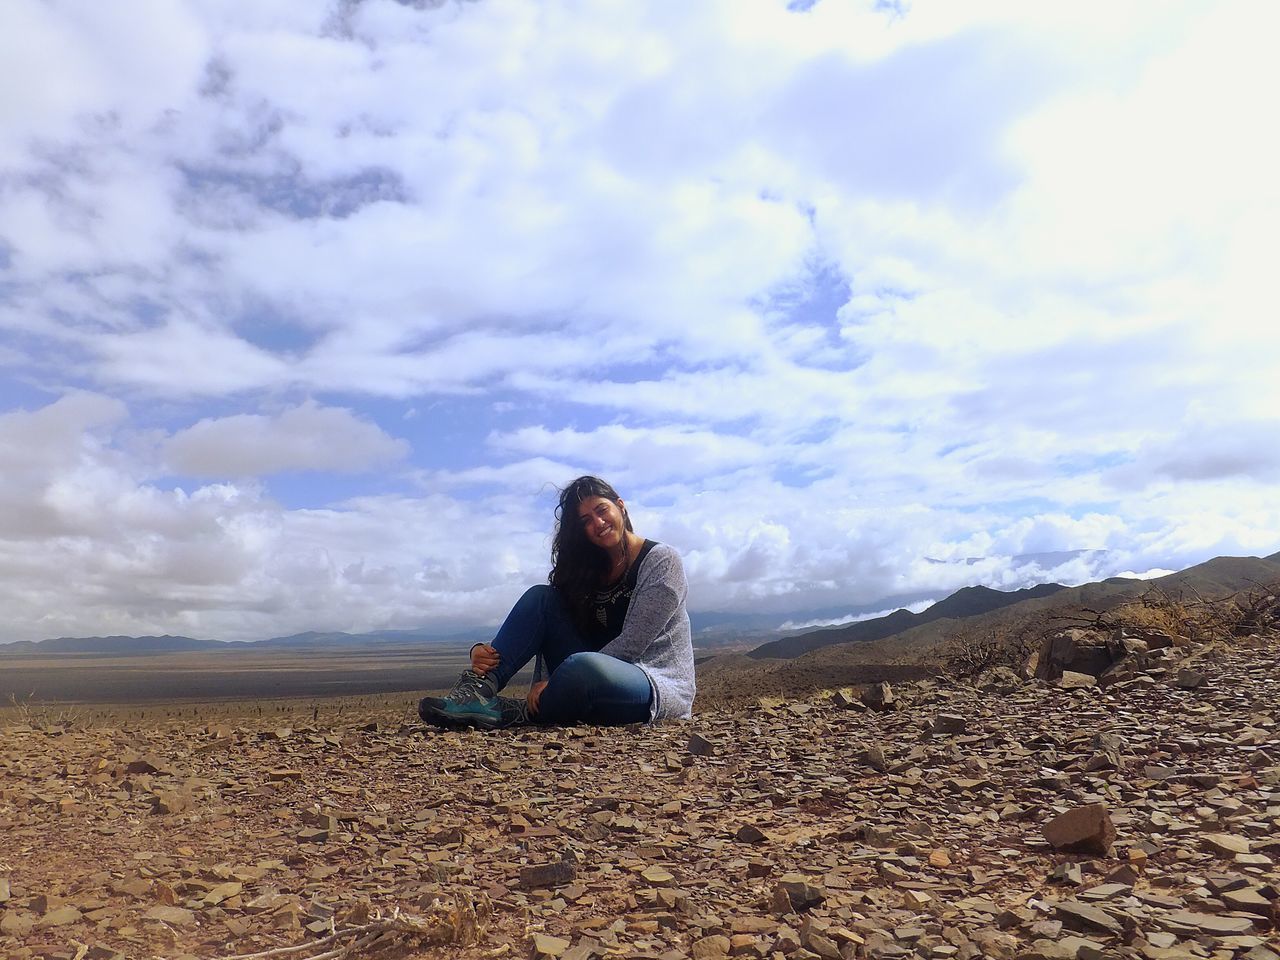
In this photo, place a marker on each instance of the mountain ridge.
(170, 643)
(163, 643)
(1218, 576)
(847, 661)
(965, 602)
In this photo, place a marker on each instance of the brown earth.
(233, 674)
(798, 829)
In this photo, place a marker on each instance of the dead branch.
(463, 924)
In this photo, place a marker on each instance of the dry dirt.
(796, 828)
(231, 674)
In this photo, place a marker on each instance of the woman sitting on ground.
(611, 628)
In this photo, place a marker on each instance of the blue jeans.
(583, 686)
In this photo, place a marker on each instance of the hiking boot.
(515, 711)
(472, 702)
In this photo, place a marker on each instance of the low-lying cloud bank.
(97, 538)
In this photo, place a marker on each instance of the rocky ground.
(1024, 820)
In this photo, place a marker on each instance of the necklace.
(619, 567)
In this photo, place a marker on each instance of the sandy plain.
(90, 679)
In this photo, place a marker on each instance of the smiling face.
(602, 522)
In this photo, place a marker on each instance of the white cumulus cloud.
(307, 437)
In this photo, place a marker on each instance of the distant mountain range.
(712, 627)
(311, 640)
(875, 650)
(134, 645)
(720, 628)
(1222, 575)
(1218, 577)
(965, 602)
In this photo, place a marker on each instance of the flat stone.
(1124, 874)
(753, 925)
(709, 948)
(548, 874)
(1222, 884)
(845, 701)
(1081, 948)
(657, 876)
(799, 892)
(1210, 923)
(60, 917)
(1187, 679)
(545, 945)
(1250, 900)
(1101, 761)
(874, 757)
(700, 746)
(170, 801)
(177, 916)
(1226, 844)
(820, 944)
(879, 696)
(17, 923)
(1068, 873)
(223, 892)
(1106, 891)
(1044, 949)
(1252, 860)
(1086, 919)
(145, 765)
(786, 942)
(1086, 829)
(1046, 930)
(1070, 680)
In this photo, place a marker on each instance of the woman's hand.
(484, 658)
(535, 694)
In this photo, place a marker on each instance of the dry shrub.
(42, 716)
(971, 650)
(1254, 610)
(968, 652)
(460, 924)
(1154, 611)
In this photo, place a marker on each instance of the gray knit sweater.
(655, 634)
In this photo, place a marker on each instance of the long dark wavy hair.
(578, 566)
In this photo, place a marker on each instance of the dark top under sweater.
(609, 606)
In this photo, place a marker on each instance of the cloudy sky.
(305, 308)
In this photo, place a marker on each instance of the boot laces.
(470, 686)
(515, 710)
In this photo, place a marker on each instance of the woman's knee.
(599, 673)
(597, 688)
(585, 669)
(535, 598)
